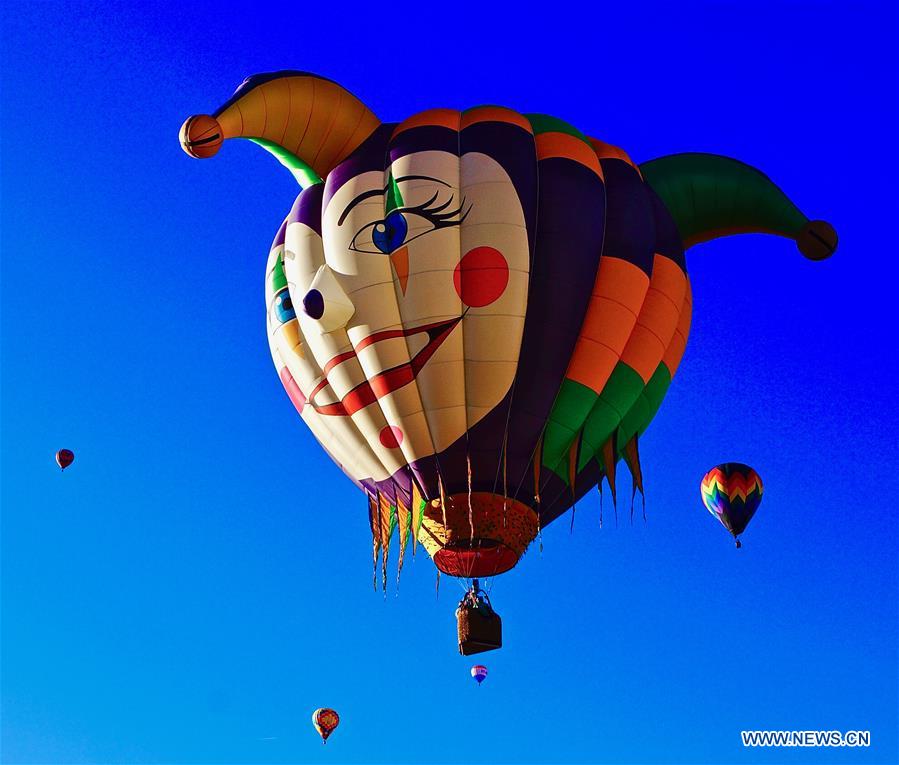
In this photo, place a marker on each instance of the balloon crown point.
(201, 136)
(817, 240)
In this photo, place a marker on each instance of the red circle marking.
(391, 436)
(481, 276)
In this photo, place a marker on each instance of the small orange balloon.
(325, 721)
(64, 458)
(201, 136)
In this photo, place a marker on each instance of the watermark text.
(806, 738)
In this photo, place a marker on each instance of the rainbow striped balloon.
(732, 493)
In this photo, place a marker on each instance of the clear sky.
(200, 580)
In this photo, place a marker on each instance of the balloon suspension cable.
(437, 586)
(538, 459)
(470, 510)
(505, 480)
(442, 505)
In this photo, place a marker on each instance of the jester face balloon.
(477, 313)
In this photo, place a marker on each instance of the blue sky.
(199, 581)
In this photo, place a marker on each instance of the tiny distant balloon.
(732, 493)
(479, 672)
(64, 458)
(325, 721)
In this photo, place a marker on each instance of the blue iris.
(390, 233)
(284, 306)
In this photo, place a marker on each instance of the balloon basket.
(479, 630)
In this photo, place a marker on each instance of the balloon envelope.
(477, 313)
(325, 721)
(64, 458)
(479, 672)
(732, 493)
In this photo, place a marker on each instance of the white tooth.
(417, 343)
(383, 355)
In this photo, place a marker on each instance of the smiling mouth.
(384, 383)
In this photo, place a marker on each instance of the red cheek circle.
(481, 276)
(391, 436)
(293, 390)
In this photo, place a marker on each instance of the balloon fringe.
(599, 486)
(375, 523)
(539, 527)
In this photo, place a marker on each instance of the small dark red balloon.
(64, 458)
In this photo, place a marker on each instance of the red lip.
(388, 381)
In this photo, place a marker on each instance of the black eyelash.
(435, 215)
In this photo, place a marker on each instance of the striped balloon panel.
(639, 298)
(567, 254)
(635, 421)
(619, 344)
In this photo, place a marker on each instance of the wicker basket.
(480, 629)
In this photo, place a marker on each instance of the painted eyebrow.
(380, 193)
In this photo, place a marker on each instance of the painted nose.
(326, 302)
(400, 260)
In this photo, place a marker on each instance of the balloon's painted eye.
(399, 227)
(390, 233)
(284, 306)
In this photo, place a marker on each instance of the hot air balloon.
(732, 493)
(477, 313)
(64, 458)
(325, 721)
(479, 673)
